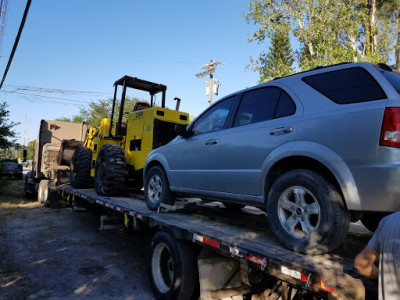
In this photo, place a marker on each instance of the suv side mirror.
(181, 130)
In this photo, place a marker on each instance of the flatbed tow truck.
(236, 254)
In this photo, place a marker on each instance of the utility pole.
(26, 130)
(210, 69)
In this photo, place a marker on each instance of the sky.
(71, 52)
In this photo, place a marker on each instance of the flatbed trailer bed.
(245, 237)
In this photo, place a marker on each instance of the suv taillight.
(390, 135)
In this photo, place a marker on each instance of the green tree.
(278, 62)
(98, 110)
(30, 149)
(327, 32)
(7, 135)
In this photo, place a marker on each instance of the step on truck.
(213, 252)
(54, 147)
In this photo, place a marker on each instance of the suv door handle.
(211, 142)
(281, 130)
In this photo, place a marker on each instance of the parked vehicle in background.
(53, 151)
(316, 150)
(11, 168)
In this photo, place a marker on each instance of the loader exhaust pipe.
(178, 103)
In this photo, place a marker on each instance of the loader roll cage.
(139, 84)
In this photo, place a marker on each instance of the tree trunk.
(372, 26)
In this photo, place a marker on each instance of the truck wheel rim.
(155, 189)
(162, 268)
(299, 211)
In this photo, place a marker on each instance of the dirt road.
(59, 254)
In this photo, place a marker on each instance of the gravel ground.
(59, 254)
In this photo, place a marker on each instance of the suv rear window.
(347, 86)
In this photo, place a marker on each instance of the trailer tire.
(306, 212)
(110, 173)
(156, 189)
(46, 195)
(80, 167)
(172, 267)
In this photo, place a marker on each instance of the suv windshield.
(393, 77)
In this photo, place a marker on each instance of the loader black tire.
(172, 267)
(110, 173)
(80, 168)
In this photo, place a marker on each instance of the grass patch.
(12, 197)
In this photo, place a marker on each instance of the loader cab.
(139, 84)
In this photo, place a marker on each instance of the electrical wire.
(21, 27)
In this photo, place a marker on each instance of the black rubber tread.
(334, 220)
(233, 206)
(184, 259)
(110, 174)
(28, 192)
(167, 197)
(80, 168)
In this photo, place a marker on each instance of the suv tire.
(110, 174)
(306, 212)
(156, 189)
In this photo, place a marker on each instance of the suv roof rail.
(314, 69)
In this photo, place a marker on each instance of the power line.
(51, 90)
(64, 100)
(21, 27)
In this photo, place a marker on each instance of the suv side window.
(264, 104)
(347, 86)
(214, 119)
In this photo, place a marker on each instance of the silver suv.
(316, 150)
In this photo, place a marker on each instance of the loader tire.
(80, 168)
(110, 174)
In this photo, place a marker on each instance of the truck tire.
(46, 194)
(110, 173)
(306, 213)
(80, 167)
(29, 192)
(156, 189)
(172, 267)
